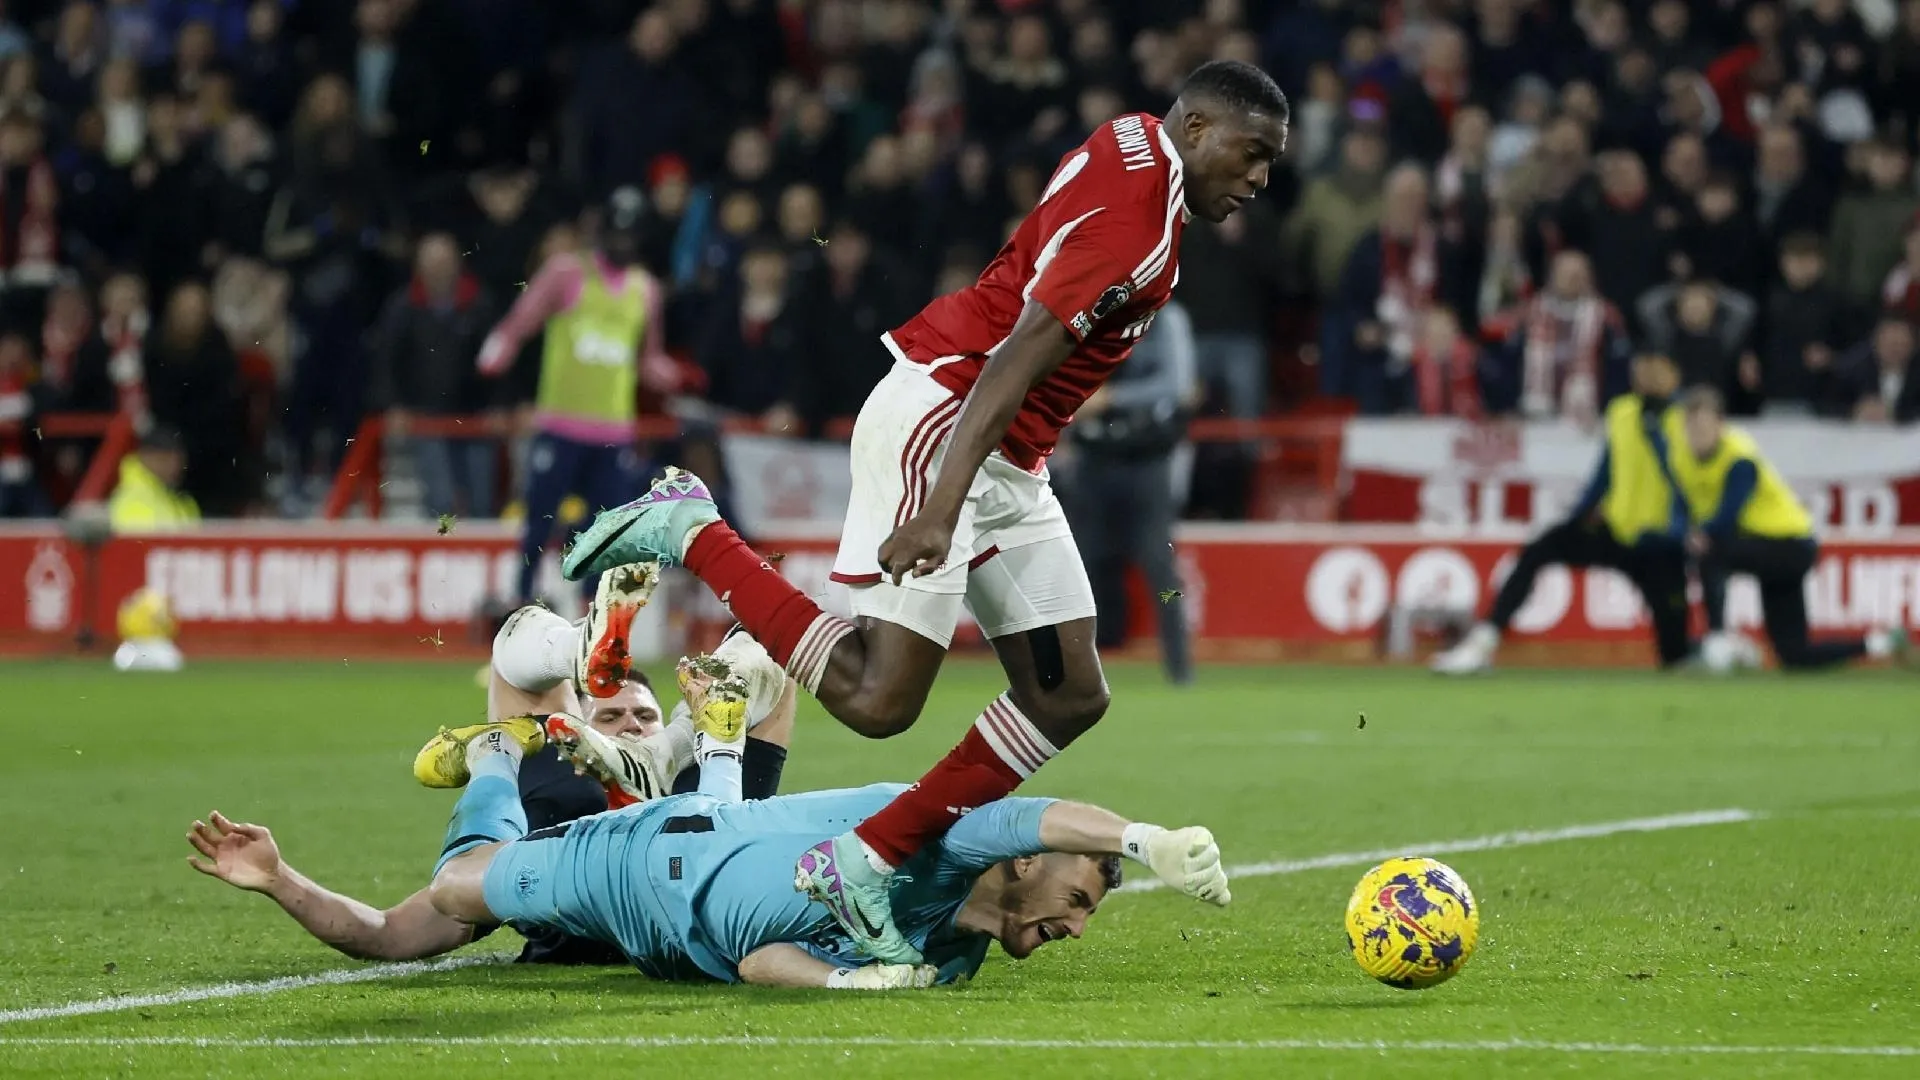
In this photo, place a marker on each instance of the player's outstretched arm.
(1037, 346)
(1187, 859)
(246, 857)
(791, 966)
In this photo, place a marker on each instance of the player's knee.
(879, 715)
(1068, 711)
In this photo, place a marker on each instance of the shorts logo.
(674, 868)
(526, 880)
(1112, 300)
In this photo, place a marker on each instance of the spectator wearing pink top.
(584, 443)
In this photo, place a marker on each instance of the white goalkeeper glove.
(883, 977)
(1186, 859)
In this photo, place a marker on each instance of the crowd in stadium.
(258, 221)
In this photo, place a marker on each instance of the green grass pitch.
(1782, 945)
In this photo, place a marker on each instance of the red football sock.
(796, 633)
(1001, 749)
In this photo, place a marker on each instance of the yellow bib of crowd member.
(1774, 511)
(142, 504)
(1639, 500)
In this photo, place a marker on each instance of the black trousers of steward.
(1780, 566)
(1658, 569)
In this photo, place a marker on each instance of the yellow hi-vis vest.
(1774, 511)
(1639, 499)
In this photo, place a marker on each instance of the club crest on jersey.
(1112, 300)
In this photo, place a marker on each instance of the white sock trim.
(492, 742)
(536, 650)
(1135, 838)
(808, 664)
(1013, 737)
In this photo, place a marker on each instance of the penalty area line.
(1492, 842)
(750, 1042)
(254, 988)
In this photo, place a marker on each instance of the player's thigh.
(1035, 604)
(1028, 572)
(532, 879)
(459, 887)
(1578, 544)
(898, 441)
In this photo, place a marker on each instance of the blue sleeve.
(1742, 478)
(1007, 829)
(1680, 519)
(1596, 486)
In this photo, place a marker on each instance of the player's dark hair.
(1704, 398)
(1110, 872)
(1237, 85)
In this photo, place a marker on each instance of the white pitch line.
(1266, 869)
(1493, 842)
(241, 989)
(666, 1042)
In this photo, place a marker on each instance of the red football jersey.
(1101, 251)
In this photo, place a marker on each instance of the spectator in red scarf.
(1875, 381)
(1446, 369)
(68, 324)
(1390, 280)
(1506, 281)
(423, 352)
(1420, 110)
(29, 207)
(1571, 354)
(1901, 294)
(20, 494)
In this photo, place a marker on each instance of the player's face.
(1053, 899)
(632, 711)
(1703, 431)
(1228, 160)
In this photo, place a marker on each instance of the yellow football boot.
(717, 696)
(442, 763)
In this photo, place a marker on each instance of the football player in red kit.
(950, 500)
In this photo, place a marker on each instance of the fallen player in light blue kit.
(701, 885)
(694, 886)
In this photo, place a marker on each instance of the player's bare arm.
(1036, 348)
(792, 967)
(1187, 859)
(245, 856)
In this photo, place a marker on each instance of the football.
(1412, 923)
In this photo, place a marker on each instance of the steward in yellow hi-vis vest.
(1746, 520)
(600, 311)
(1629, 519)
